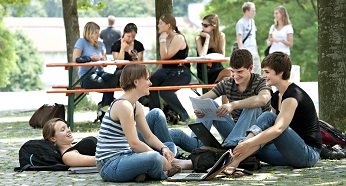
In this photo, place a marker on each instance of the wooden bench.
(73, 87)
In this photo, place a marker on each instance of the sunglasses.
(206, 25)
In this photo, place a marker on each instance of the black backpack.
(205, 157)
(40, 155)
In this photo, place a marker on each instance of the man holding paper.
(248, 97)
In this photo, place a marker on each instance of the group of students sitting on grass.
(279, 128)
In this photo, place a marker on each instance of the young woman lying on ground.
(81, 154)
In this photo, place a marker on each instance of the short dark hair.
(279, 62)
(130, 73)
(241, 58)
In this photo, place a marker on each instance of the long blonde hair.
(90, 29)
(213, 19)
(285, 17)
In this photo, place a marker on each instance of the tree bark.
(70, 15)
(332, 62)
(161, 7)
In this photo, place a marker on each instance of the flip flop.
(237, 172)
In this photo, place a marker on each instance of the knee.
(158, 113)
(155, 159)
(268, 115)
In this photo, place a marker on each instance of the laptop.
(204, 134)
(222, 163)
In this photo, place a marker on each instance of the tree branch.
(300, 4)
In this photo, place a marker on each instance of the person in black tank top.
(172, 46)
(81, 154)
(211, 40)
(290, 134)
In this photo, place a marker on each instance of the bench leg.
(70, 111)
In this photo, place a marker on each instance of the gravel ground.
(15, 131)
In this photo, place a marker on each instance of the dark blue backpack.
(40, 155)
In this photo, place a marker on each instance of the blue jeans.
(288, 149)
(125, 167)
(229, 131)
(167, 77)
(158, 125)
(101, 80)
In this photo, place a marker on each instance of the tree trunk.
(332, 62)
(70, 14)
(161, 7)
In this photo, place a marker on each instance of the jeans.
(101, 80)
(125, 167)
(158, 125)
(167, 77)
(229, 131)
(288, 149)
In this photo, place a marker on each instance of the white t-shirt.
(279, 46)
(243, 27)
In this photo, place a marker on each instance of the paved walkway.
(14, 134)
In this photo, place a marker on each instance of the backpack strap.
(21, 169)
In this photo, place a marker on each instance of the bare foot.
(184, 164)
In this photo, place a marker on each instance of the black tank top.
(181, 54)
(87, 146)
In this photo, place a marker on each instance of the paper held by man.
(207, 107)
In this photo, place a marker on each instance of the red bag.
(332, 136)
(45, 113)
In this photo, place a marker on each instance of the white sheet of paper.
(207, 107)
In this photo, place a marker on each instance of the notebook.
(222, 163)
(204, 134)
(83, 170)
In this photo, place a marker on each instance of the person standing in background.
(110, 35)
(245, 25)
(281, 33)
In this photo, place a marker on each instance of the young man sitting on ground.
(248, 97)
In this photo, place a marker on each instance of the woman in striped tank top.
(120, 154)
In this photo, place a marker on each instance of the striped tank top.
(111, 139)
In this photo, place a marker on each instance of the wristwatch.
(162, 40)
(164, 146)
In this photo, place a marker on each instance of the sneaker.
(328, 152)
(104, 108)
(141, 177)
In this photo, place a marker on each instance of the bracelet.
(162, 40)
(164, 146)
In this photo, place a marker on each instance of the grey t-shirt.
(243, 27)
